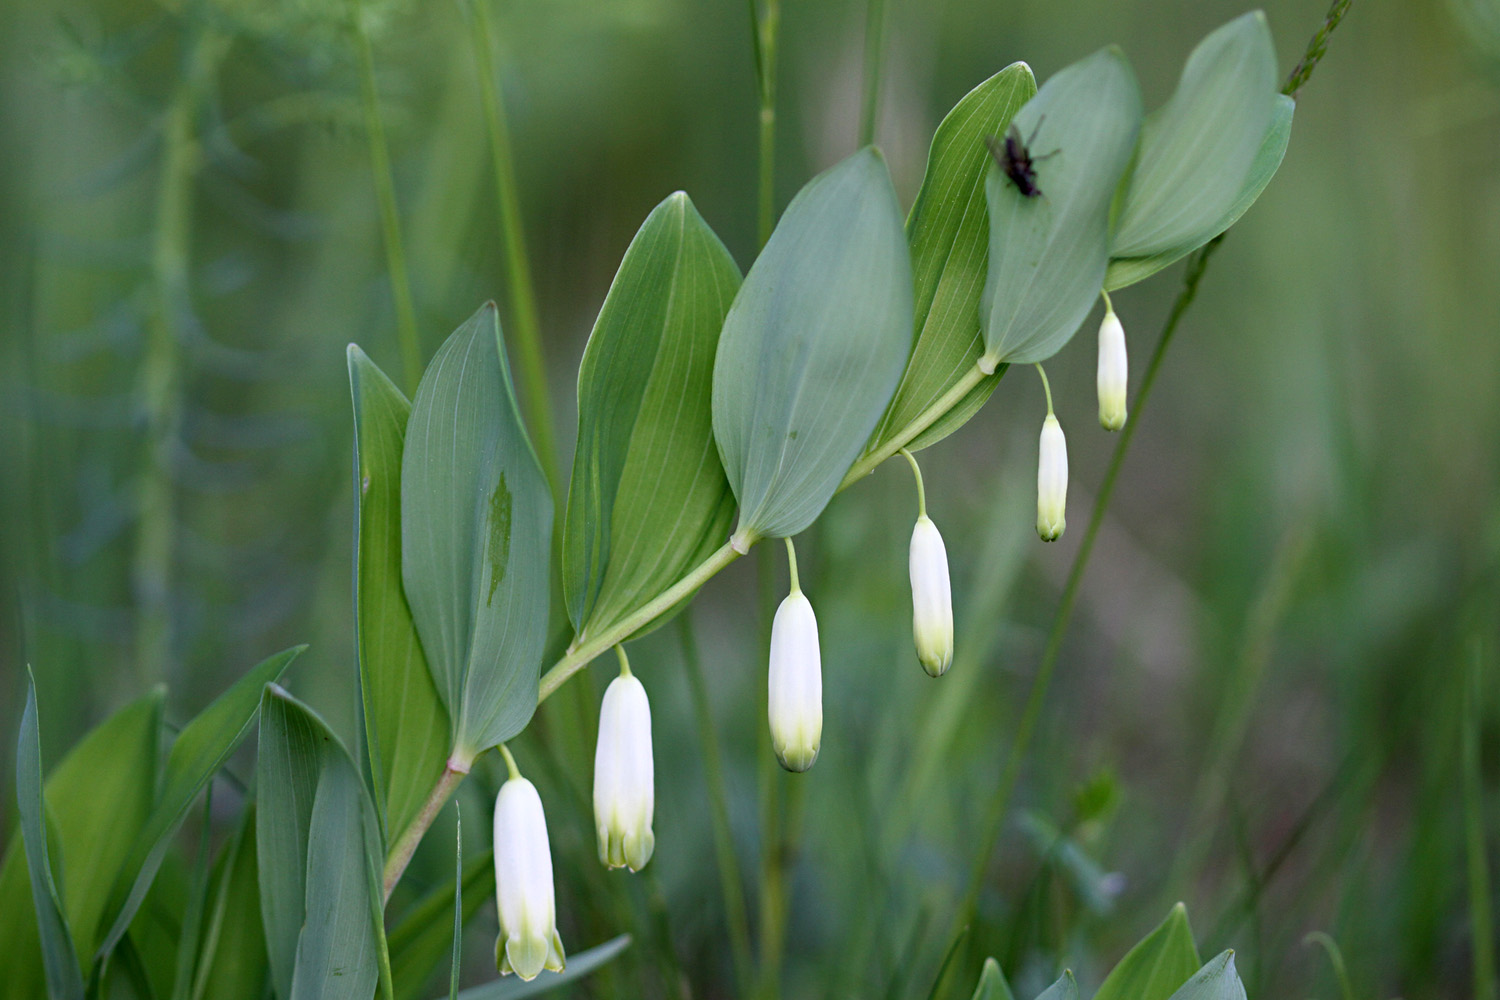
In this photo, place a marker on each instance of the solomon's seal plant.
(715, 411)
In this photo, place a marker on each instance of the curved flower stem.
(924, 420)
(791, 565)
(916, 470)
(580, 655)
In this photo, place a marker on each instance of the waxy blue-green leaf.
(98, 797)
(406, 728)
(992, 984)
(1128, 270)
(201, 748)
(648, 499)
(59, 956)
(1066, 988)
(1048, 253)
(1158, 965)
(319, 855)
(813, 347)
(948, 231)
(476, 524)
(1217, 980)
(511, 988)
(1196, 151)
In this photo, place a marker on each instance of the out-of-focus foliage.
(1268, 646)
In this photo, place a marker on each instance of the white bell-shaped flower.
(624, 786)
(795, 693)
(931, 598)
(1113, 369)
(528, 941)
(1051, 481)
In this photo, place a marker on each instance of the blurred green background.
(1258, 706)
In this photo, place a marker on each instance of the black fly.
(1015, 159)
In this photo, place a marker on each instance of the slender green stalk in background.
(874, 60)
(1197, 264)
(161, 376)
(764, 29)
(735, 913)
(525, 327)
(1481, 924)
(385, 196)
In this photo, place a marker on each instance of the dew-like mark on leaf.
(498, 550)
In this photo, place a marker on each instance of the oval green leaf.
(1196, 151)
(648, 499)
(1158, 965)
(406, 728)
(948, 232)
(1128, 270)
(476, 519)
(1048, 253)
(813, 347)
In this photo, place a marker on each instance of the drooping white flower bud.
(1113, 368)
(795, 695)
(1051, 481)
(624, 786)
(931, 598)
(528, 941)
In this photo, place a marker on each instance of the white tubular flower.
(528, 941)
(1051, 481)
(931, 598)
(1113, 368)
(624, 787)
(795, 694)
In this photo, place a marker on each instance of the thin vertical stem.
(1481, 923)
(764, 29)
(624, 660)
(874, 61)
(153, 559)
(791, 565)
(735, 913)
(526, 328)
(995, 815)
(1046, 387)
(385, 196)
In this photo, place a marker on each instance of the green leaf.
(1066, 988)
(60, 959)
(406, 728)
(337, 951)
(813, 347)
(1160, 963)
(648, 499)
(1128, 270)
(233, 958)
(319, 857)
(476, 519)
(110, 773)
(511, 988)
(201, 748)
(992, 984)
(1217, 980)
(1196, 151)
(1048, 253)
(422, 937)
(948, 232)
